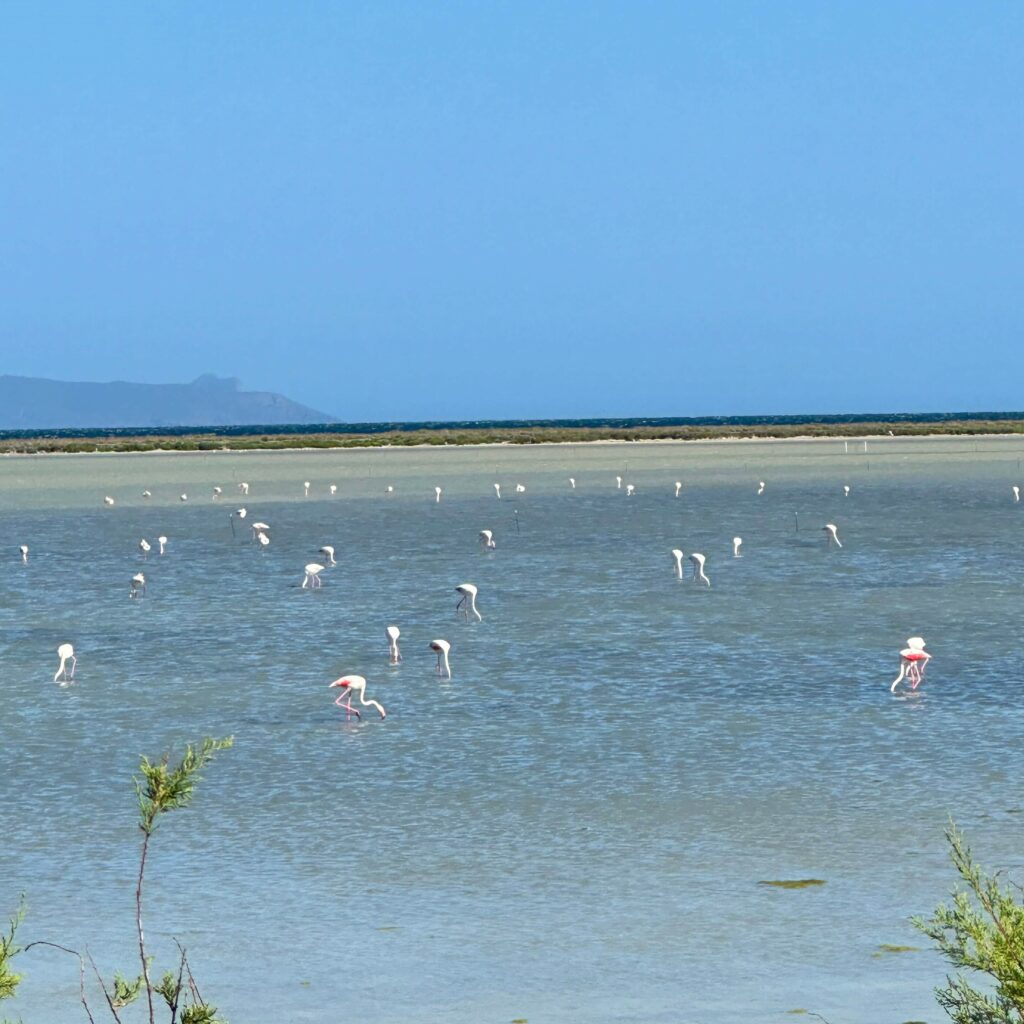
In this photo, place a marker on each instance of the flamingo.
(312, 577)
(832, 537)
(66, 653)
(467, 602)
(497, 491)
(138, 585)
(108, 500)
(239, 513)
(678, 556)
(1016, 492)
(846, 490)
(437, 494)
(182, 497)
(24, 552)
(679, 487)
(487, 539)
(736, 544)
(390, 490)
(520, 489)
(243, 488)
(394, 655)
(913, 661)
(629, 490)
(441, 649)
(262, 539)
(572, 482)
(305, 488)
(760, 487)
(356, 685)
(145, 547)
(333, 489)
(162, 541)
(329, 552)
(258, 528)
(699, 576)
(147, 494)
(217, 492)
(618, 483)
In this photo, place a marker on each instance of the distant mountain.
(29, 403)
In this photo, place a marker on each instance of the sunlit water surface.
(574, 827)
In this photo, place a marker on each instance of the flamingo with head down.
(356, 685)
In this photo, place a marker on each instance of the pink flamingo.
(66, 653)
(441, 649)
(913, 661)
(394, 654)
(356, 685)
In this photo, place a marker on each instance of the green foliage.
(125, 991)
(8, 950)
(162, 788)
(200, 1013)
(980, 932)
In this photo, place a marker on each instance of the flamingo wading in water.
(677, 555)
(467, 602)
(394, 654)
(66, 653)
(487, 540)
(441, 649)
(913, 661)
(699, 576)
(831, 535)
(356, 685)
(312, 577)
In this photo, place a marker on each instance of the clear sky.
(526, 209)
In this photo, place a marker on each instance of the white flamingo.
(145, 547)
(467, 602)
(520, 489)
(328, 550)
(846, 490)
(182, 497)
(138, 585)
(737, 543)
(699, 576)
(147, 494)
(497, 491)
(162, 541)
(394, 654)
(24, 552)
(760, 487)
(258, 528)
(108, 500)
(677, 555)
(487, 539)
(630, 489)
(243, 487)
(305, 488)
(66, 653)
(441, 649)
(333, 489)
(572, 482)
(1016, 492)
(390, 490)
(312, 577)
(217, 492)
(262, 539)
(831, 535)
(437, 494)
(239, 513)
(356, 685)
(679, 487)
(618, 483)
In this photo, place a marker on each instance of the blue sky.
(477, 210)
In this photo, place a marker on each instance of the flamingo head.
(343, 683)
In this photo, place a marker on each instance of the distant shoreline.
(122, 443)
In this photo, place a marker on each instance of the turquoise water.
(573, 827)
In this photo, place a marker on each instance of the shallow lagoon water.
(575, 826)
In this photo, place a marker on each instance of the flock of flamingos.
(912, 663)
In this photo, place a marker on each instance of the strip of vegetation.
(120, 441)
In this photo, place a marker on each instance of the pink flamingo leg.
(347, 705)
